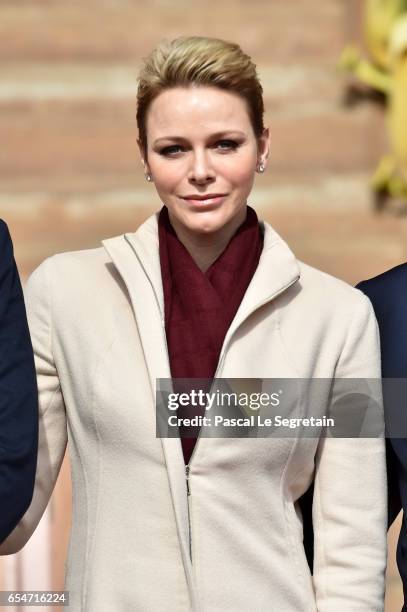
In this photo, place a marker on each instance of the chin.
(207, 222)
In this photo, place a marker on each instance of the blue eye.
(221, 145)
(170, 150)
(227, 144)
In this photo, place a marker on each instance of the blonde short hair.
(196, 60)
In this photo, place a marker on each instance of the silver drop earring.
(260, 167)
(149, 177)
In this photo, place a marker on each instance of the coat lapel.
(278, 269)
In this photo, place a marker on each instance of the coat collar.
(277, 270)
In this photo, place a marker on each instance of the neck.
(206, 248)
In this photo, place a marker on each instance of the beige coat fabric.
(97, 324)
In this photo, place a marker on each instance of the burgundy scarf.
(199, 307)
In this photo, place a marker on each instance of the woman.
(201, 288)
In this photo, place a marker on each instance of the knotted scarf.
(200, 306)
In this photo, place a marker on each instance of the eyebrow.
(214, 136)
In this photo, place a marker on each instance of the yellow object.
(385, 31)
(397, 112)
(380, 17)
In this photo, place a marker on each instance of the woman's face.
(202, 154)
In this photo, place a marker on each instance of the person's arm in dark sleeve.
(394, 467)
(18, 395)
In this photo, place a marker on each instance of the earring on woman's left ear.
(260, 167)
(149, 178)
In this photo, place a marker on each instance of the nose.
(201, 170)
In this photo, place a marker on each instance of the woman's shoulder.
(92, 256)
(71, 276)
(76, 290)
(314, 284)
(330, 295)
(68, 266)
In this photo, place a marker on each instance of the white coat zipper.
(189, 510)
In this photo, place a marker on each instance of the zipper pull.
(187, 475)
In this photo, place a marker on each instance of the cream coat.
(96, 319)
